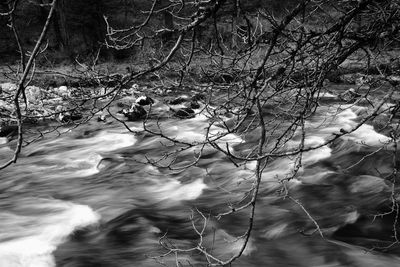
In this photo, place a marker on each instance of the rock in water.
(136, 113)
(70, 116)
(135, 87)
(198, 97)
(178, 100)
(144, 101)
(102, 117)
(184, 113)
(194, 105)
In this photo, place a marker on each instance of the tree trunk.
(168, 21)
(60, 26)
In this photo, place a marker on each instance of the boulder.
(135, 87)
(135, 113)
(102, 118)
(144, 101)
(198, 97)
(194, 105)
(178, 100)
(70, 116)
(184, 113)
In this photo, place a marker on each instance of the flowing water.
(86, 198)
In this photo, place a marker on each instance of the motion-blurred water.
(86, 198)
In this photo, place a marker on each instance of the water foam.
(36, 248)
(83, 158)
(365, 134)
(368, 136)
(327, 95)
(316, 155)
(334, 120)
(197, 129)
(176, 191)
(342, 118)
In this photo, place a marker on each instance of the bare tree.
(263, 75)
(279, 68)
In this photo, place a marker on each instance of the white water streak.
(35, 249)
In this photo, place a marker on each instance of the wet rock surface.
(135, 113)
(183, 113)
(144, 101)
(178, 100)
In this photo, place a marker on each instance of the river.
(86, 198)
